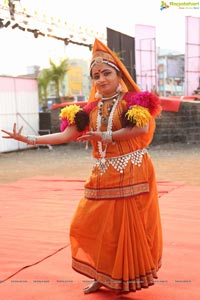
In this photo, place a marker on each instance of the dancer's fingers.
(8, 134)
(14, 128)
(20, 130)
(7, 137)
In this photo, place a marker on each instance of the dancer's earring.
(98, 95)
(119, 88)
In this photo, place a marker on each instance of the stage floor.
(35, 257)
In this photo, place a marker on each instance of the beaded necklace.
(104, 118)
(102, 152)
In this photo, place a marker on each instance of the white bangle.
(31, 140)
(107, 137)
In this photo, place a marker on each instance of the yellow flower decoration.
(69, 112)
(138, 114)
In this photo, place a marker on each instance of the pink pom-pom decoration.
(64, 124)
(145, 99)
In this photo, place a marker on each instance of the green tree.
(58, 73)
(44, 78)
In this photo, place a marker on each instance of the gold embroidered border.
(117, 192)
(143, 281)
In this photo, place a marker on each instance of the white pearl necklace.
(102, 152)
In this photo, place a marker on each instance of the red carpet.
(35, 258)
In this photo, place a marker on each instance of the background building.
(170, 69)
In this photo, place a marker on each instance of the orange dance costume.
(116, 234)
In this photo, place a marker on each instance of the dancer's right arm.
(69, 134)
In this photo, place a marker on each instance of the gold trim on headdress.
(100, 50)
(100, 57)
(99, 60)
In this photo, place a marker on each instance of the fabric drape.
(116, 234)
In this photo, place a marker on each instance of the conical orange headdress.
(101, 50)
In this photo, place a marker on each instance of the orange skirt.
(118, 242)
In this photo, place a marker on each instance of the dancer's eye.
(107, 73)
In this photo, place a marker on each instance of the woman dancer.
(115, 233)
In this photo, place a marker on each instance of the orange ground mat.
(35, 257)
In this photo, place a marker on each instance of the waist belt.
(120, 162)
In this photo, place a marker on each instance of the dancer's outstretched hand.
(90, 136)
(15, 134)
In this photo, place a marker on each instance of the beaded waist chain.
(120, 162)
